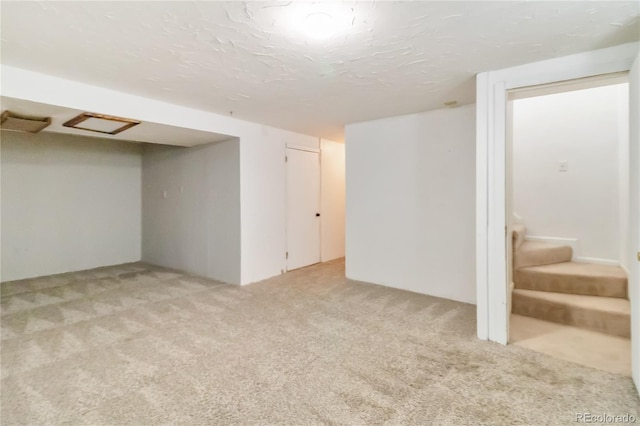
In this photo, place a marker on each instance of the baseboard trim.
(596, 260)
(625, 269)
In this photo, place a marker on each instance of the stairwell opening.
(567, 186)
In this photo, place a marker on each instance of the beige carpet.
(591, 348)
(551, 287)
(574, 278)
(611, 315)
(141, 345)
(535, 253)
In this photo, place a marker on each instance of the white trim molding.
(491, 222)
(625, 269)
(596, 260)
(303, 148)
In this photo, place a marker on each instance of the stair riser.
(605, 322)
(542, 257)
(587, 285)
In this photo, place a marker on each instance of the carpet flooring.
(137, 344)
(586, 347)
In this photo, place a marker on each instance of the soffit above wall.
(395, 57)
(144, 132)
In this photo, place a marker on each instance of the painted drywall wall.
(263, 196)
(410, 184)
(236, 190)
(582, 128)
(191, 209)
(332, 199)
(69, 203)
(262, 192)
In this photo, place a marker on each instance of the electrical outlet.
(563, 166)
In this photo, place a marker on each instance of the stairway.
(547, 285)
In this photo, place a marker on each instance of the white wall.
(262, 149)
(332, 199)
(69, 203)
(582, 128)
(410, 202)
(263, 195)
(191, 209)
(244, 210)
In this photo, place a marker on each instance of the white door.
(303, 208)
(634, 216)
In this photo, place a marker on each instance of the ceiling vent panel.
(23, 123)
(100, 123)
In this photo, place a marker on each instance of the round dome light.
(319, 25)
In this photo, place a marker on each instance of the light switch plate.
(563, 166)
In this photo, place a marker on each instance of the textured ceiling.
(391, 58)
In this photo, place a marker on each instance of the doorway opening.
(567, 187)
(303, 208)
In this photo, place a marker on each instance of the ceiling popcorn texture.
(251, 58)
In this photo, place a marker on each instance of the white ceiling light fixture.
(320, 21)
(319, 25)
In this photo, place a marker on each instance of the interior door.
(634, 217)
(303, 208)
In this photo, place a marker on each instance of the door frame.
(491, 166)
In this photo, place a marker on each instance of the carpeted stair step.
(518, 233)
(534, 253)
(573, 278)
(609, 315)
